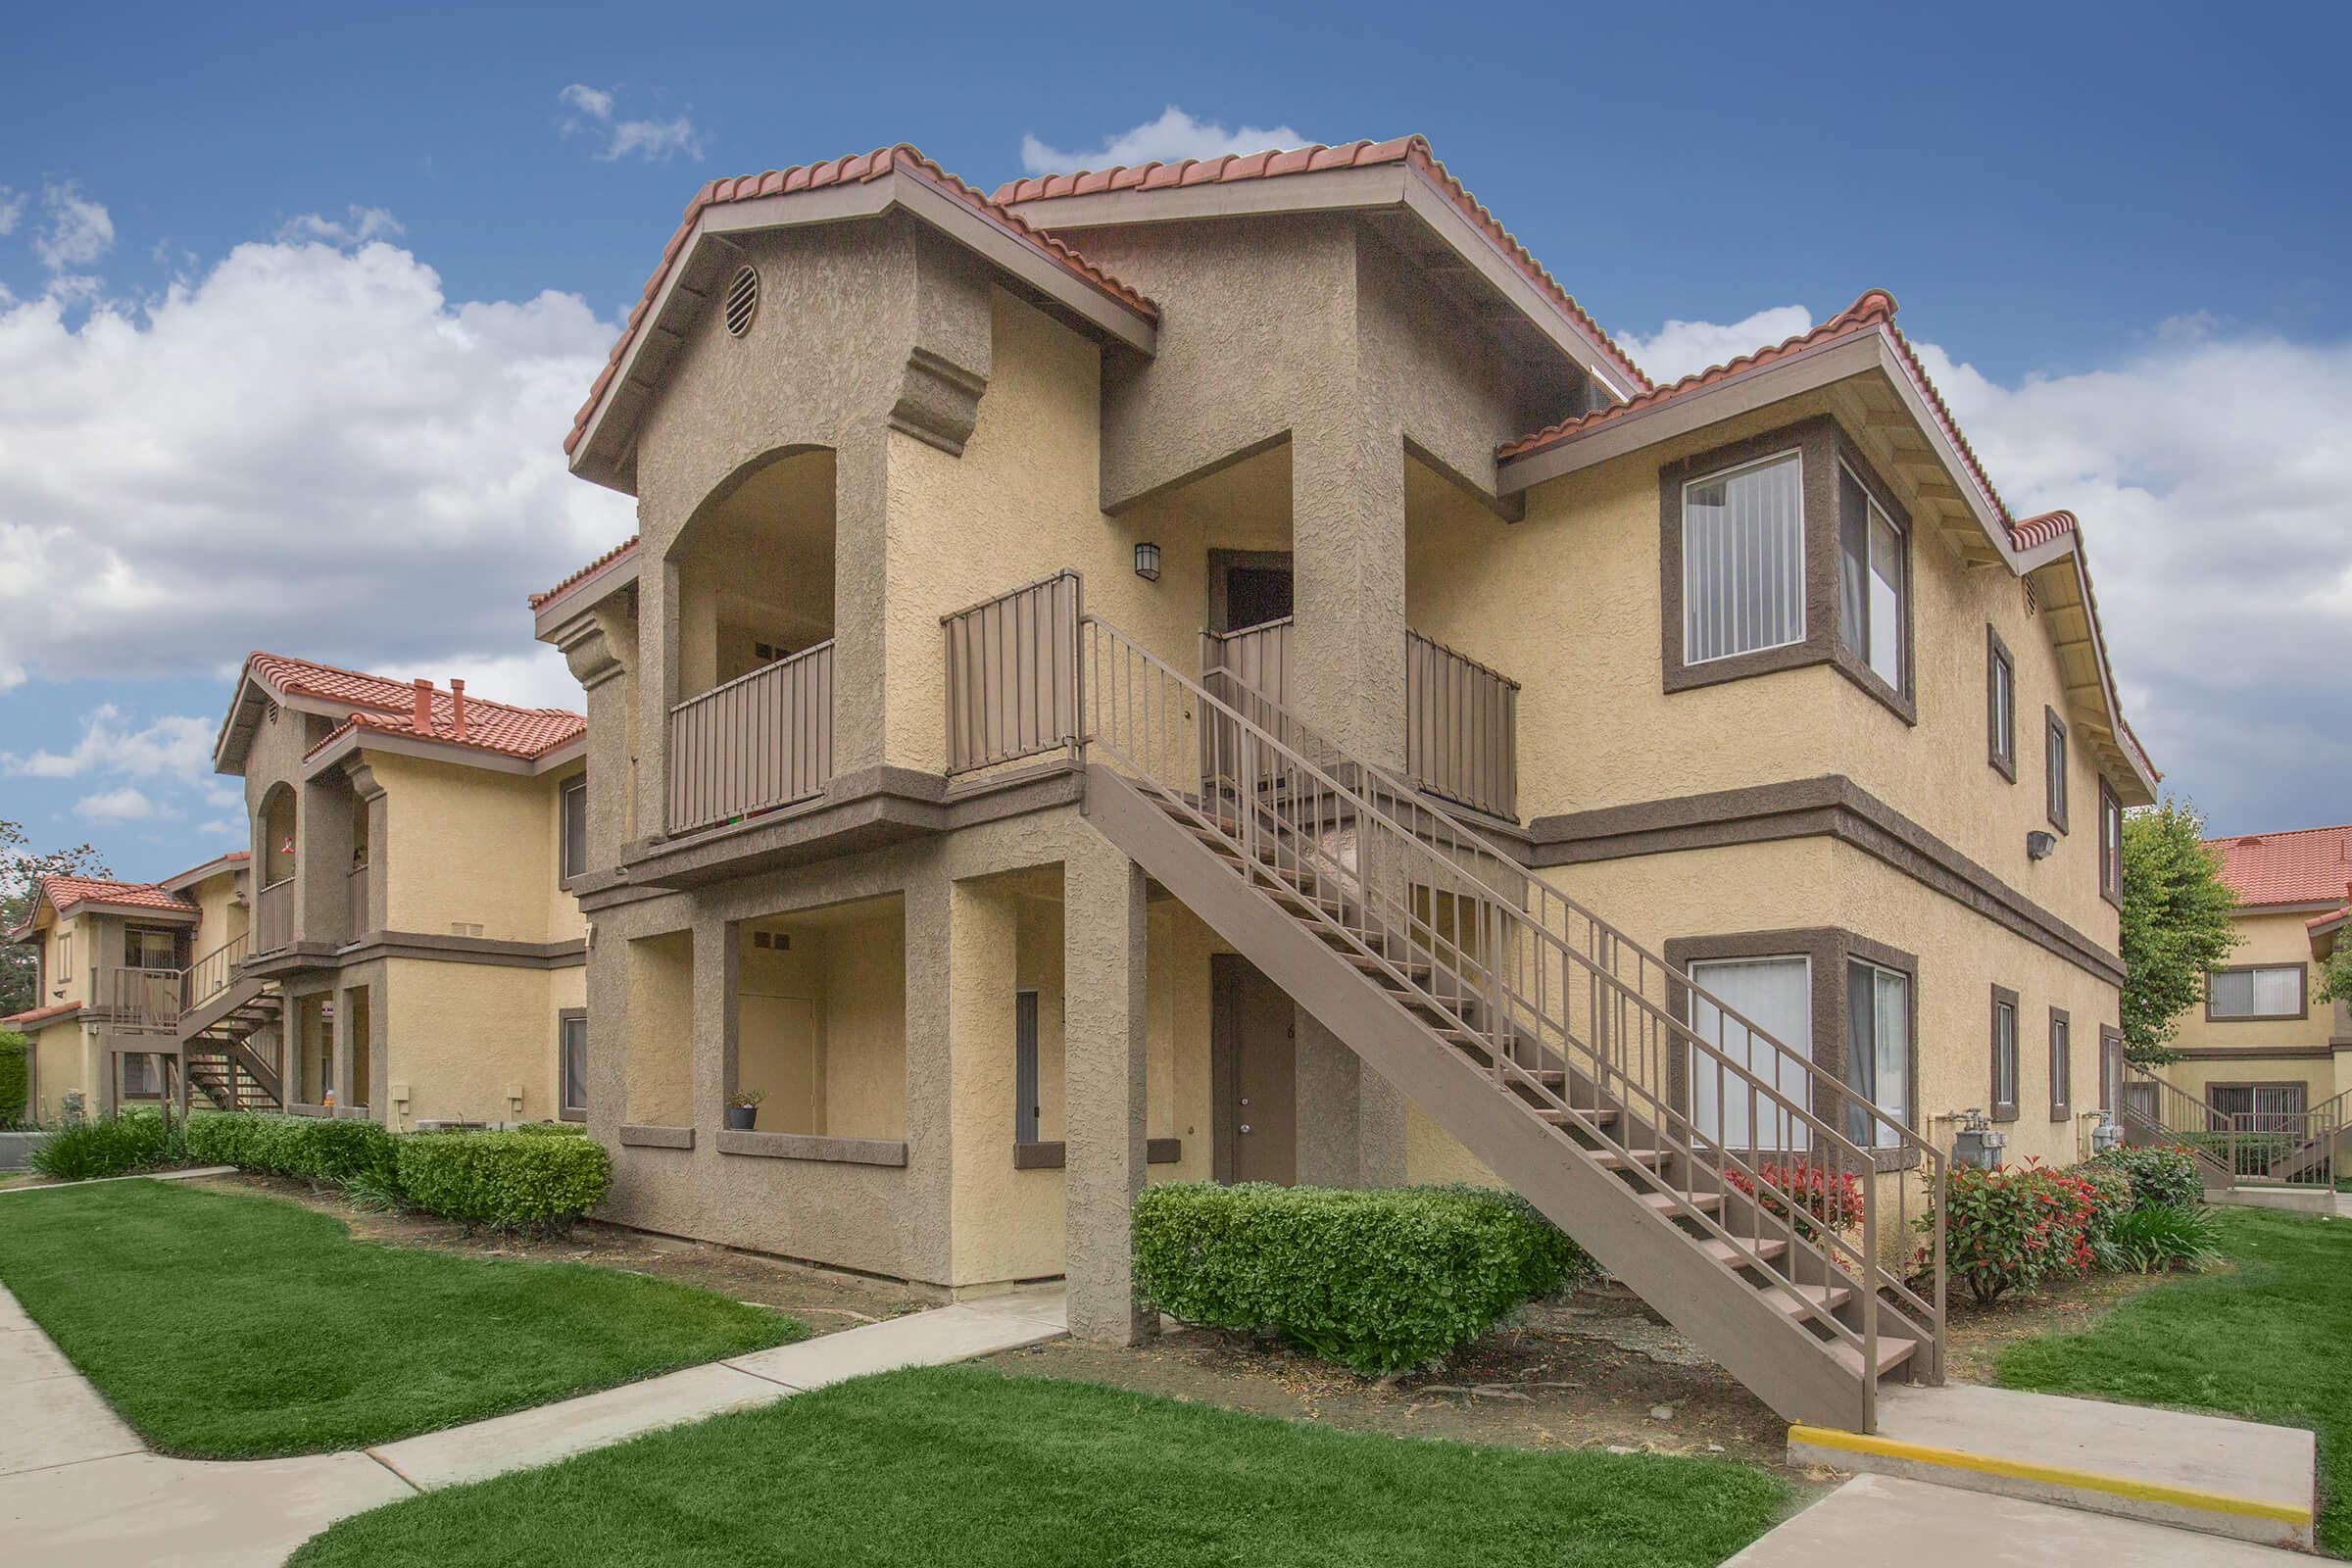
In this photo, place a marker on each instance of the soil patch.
(824, 1300)
(1596, 1370)
(1977, 1334)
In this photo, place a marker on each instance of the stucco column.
(657, 689)
(718, 965)
(608, 1027)
(1347, 557)
(860, 599)
(345, 1055)
(983, 949)
(599, 648)
(927, 1222)
(1350, 1120)
(1104, 1076)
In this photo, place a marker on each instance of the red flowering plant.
(1812, 1197)
(2015, 1229)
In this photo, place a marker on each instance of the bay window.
(1877, 1050)
(1872, 580)
(1775, 994)
(1744, 559)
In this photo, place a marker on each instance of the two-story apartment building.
(1222, 669)
(2264, 1045)
(108, 958)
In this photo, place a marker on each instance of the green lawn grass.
(240, 1327)
(963, 1465)
(2271, 1341)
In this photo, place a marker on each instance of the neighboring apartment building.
(406, 952)
(1109, 685)
(108, 956)
(2264, 1045)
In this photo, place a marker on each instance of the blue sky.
(328, 286)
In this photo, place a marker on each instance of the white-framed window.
(1744, 559)
(1877, 1050)
(2257, 991)
(1776, 994)
(1871, 579)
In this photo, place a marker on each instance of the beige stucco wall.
(64, 1058)
(658, 1088)
(463, 1036)
(2264, 1051)
(473, 847)
(221, 919)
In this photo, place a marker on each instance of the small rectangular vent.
(464, 928)
(773, 941)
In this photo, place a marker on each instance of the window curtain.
(1777, 994)
(1743, 561)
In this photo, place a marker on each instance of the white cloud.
(306, 449)
(126, 805)
(1684, 348)
(653, 142)
(1174, 136)
(364, 223)
(175, 745)
(12, 210)
(2215, 489)
(78, 231)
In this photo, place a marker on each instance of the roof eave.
(602, 454)
(339, 749)
(549, 615)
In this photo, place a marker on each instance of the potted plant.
(743, 1110)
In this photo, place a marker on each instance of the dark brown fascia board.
(130, 911)
(2253, 1054)
(1831, 805)
(346, 746)
(309, 956)
(1396, 185)
(679, 299)
(551, 620)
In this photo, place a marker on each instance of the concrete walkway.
(1877, 1520)
(78, 1488)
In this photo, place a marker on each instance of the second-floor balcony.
(273, 917)
(759, 742)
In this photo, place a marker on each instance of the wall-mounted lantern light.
(1146, 561)
(2040, 846)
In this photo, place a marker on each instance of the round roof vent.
(743, 301)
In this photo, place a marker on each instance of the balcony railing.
(1461, 727)
(210, 974)
(759, 742)
(273, 917)
(1013, 675)
(144, 999)
(355, 892)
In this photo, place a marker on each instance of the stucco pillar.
(1350, 1120)
(718, 966)
(599, 647)
(607, 1026)
(1347, 557)
(860, 599)
(1104, 1019)
(657, 689)
(345, 1056)
(927, 1223)
(983, 951)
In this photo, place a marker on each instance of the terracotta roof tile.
(388, 706)
(64, 894)
(1413, 151)
(858, 168)
(2035, 532)
(40, 1014)
(2308, 865)
(625, 547)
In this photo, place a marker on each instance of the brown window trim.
(2111, 848)
(2004, 1109)
(2302, 995)
(1830, 948)
(2255, 1086)
(1821, 445)
(2057, 795)
(1998, 657)
(2062, 1109)
(565, 1016)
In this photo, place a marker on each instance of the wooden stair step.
(1611, 1160)
(1727, 1253)
(1784, 1298)
(1664, 1203)
(1894, 1351)
(1554, 1115)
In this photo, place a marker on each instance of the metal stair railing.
(1546, 984)
(2155, 1111)
(211, 974)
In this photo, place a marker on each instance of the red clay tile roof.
(40, 1014)
(2308, 865)
(388, 706)
(598, 565)
(64, 893)
(2038, 531)
(858, 168)
(1413, 151)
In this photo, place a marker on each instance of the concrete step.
(2241, 1478)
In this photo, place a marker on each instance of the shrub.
(504, 1180)
(553, 1129)
(1379, 1281)
(319, 1148)
(2110, 1193)
(14, 1049)
(138, 1139)
(2164, 1236)
(2014, 1229)
(2254, 1152)
(1815, 1195)
(2160, 1176)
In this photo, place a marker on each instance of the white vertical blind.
(1777, 994)
(1878, 1048)
(2256, 993)
(1743, 561)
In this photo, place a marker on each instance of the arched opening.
(273, 854)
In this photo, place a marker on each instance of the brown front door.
(1256, 1074)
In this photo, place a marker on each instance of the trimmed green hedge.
(320, 1148)
(138, 1139)
(504, 1180)
(2160, 1176)
(14, 1076)
(1379, 1281)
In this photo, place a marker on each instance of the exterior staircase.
(1550, 1045)
(220, 1011)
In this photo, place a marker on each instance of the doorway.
(1254, 1073)
(1248, 588)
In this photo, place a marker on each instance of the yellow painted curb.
(2080, 1480)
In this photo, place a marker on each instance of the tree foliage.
(2176, 924)
(20, 873)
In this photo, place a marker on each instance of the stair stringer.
(1724, 1314)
